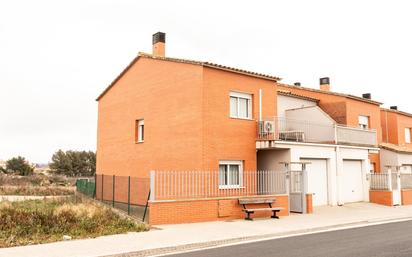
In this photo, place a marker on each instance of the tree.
(74, 163)
(19, 165)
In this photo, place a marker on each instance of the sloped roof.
(288, 93)
(398, 112)
(333, 93)
(188, 61)
(396, 148)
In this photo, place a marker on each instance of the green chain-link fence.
(126, 193)
(86, 187)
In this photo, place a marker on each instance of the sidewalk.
(175, 237)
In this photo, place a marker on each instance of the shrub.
(19, 165)
(40, 191)
(32, 222)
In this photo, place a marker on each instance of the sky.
(56, 57)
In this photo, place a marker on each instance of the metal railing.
(172, 185)
(379, 181)
(295, 130)
(285, 129)
(406, 181)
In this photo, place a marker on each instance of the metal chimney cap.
(324, 81)
(367, 96)
(159, 37)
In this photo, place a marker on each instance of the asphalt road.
(389, 240)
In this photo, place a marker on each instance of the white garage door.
(352, 186)
(317, 181)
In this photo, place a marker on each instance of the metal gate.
(296, 191)
(297, 187)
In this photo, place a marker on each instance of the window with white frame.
(408, 135)
(230, 174)
(240, 105)
(140, 131)
(363, 122)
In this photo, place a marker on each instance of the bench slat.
(263, 209)
(256, 200)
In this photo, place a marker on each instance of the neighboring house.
(304, 132)
(396, 146)
(348, 110)
(169, 114)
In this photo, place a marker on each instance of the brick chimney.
(159, 44)
(324, 84)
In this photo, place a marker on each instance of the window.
(240, 105)
(408, 135)
(363, 122)
(230, 174)
(139, 131)
(372, 167)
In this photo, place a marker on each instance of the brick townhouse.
(396, 147)
(213, 129)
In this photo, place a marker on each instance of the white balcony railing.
(284, 129)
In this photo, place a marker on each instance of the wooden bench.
(269, 201)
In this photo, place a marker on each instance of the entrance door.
(352, 184)
(317, 180)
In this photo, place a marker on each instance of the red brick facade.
(188, 211)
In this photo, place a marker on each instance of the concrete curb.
(233, 241)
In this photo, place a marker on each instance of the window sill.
(139, 142)
(239, 118)
(231, 187)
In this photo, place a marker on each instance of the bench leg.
(275, 216)
(248, 215)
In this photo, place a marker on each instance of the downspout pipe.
(260, 104)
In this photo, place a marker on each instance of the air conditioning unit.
(267, 126)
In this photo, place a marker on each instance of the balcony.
(326, 132)
(355, 136)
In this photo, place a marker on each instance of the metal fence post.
(287, 181)
(304, 187)
(145, 208)
(128, 197)
(114, 181)
(95, 185)
(152, 185)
